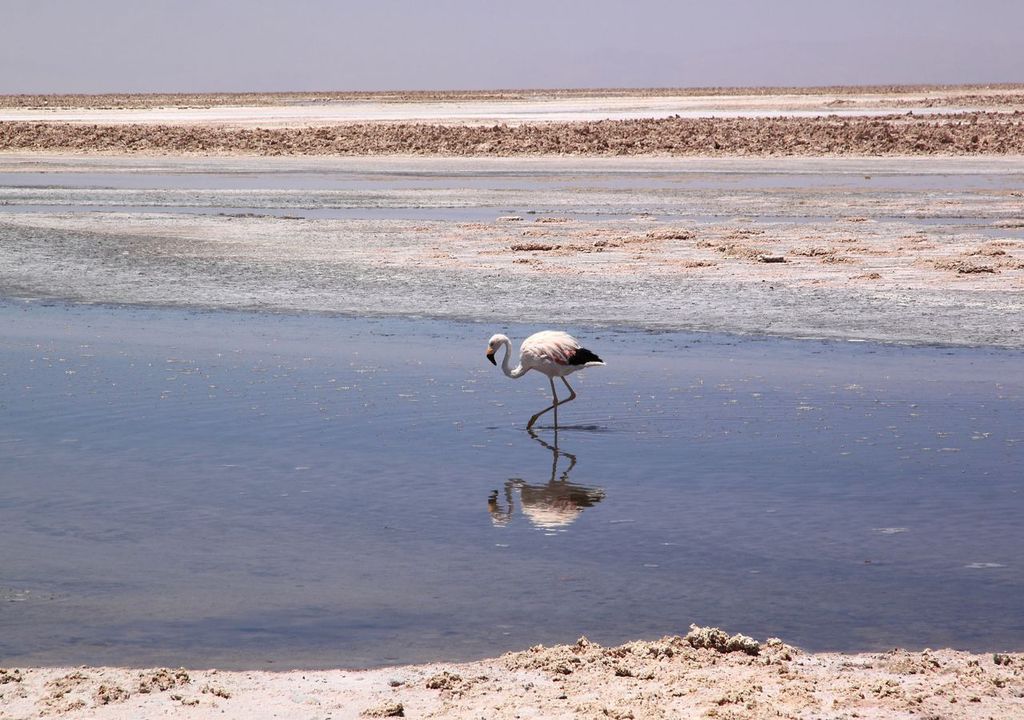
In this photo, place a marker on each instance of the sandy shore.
(706, 674)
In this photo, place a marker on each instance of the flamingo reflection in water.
(551, 506)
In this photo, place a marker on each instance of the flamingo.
(552, 352)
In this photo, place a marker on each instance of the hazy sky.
(209, 45)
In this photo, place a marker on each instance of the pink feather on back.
(549, 346)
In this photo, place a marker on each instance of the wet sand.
(691, 677)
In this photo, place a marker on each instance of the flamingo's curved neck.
(518, 370)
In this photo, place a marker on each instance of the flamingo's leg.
(554, 406)
(572, 393)
(557, 402)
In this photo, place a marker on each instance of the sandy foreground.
(706, 674)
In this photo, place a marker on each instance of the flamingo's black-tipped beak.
(490, 356)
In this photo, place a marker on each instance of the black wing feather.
(583, 356)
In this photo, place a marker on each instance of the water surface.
(259, 490)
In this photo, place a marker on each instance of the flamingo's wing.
(549, 346)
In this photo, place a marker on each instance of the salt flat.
(527, 108)
(901, 250)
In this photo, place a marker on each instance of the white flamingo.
(552, 352)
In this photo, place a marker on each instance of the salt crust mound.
(708, 673)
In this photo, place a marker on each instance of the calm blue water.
(256, 490)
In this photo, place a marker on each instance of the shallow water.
(358, 236)
(257, 490)
(670, 187)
